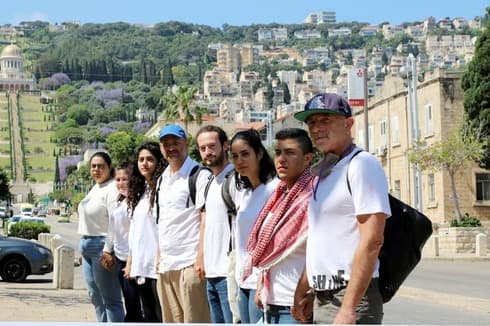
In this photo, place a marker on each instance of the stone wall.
(459, 240)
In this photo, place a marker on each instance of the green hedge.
(466, 221)
(28, 230)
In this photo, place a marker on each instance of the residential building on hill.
(440, 111)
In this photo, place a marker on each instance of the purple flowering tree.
(66, 162)
(61, 78)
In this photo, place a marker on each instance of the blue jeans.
(249, 313)
(103, 285)
(279, 315)
(218, 301)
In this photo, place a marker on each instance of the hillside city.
(242, 77)
(419, 98)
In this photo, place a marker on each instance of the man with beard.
(179, 219)
(214, 246)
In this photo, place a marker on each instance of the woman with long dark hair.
(143, 233)
(255, 179)
(116, 249)
(93, 221)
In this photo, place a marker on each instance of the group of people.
(242, 236)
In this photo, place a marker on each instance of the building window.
(431, 187)
(371, 138)
(360, 138)
(382, 132)
(429, 128)
(395, 135)
(396, 189)
(482, 186)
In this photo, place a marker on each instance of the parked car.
(3, 212)
(21, 218)
(13, 220)
(26, 209)
(20, 258)
(42, 212)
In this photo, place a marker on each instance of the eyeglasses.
(98, 166)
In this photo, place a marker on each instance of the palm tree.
(179, 105)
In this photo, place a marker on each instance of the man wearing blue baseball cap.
(183, 293)
(345, 224)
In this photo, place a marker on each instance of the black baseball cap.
(325, 103)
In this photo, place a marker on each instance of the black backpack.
(192, 179)
(405, 234)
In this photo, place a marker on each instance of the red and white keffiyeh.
(274, 238)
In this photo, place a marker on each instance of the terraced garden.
(4, 134)
(37, 146)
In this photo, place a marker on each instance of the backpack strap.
(192, 180)
(230, 205)
(347, 173)
(156, 198)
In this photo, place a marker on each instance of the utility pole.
(414, 127)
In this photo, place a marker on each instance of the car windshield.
(15, 219)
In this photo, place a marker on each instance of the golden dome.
(11, 50)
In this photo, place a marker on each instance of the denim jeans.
(132, 303)
(279, 315)
(103, 286)
(218, 301)
(249, 313)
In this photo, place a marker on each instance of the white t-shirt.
(249, 204)
(178, 226)
(143, 239)
(117, 237)
(333, 232)
(95, 208)
(217, 228)
(284, 277)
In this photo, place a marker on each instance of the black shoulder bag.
(405, 234)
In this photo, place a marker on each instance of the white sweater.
(95, 208)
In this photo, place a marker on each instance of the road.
(438, 292)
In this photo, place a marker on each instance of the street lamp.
(409, 72)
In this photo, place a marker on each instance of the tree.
(4, 185)
(179, 105)
(451, 155)
(121, 145)
(476, 86)
(79, 113)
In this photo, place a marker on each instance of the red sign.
(356, 102)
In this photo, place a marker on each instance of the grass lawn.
(4, 147)
(36, 136)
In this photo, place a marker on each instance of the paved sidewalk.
(41, 302)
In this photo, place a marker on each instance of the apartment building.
(368, 31)
(389, 31)
(324, 17)
(273, 34)
(307, 34)
(228, 58)
(440, 111)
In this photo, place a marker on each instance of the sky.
(242, 12)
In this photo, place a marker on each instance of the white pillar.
(481, 244)
(63, 277)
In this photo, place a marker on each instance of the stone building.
(440, 111)
(12, 74)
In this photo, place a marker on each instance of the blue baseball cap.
(325, 103)
(174, 130)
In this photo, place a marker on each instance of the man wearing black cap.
(183, 293)
(345, 226)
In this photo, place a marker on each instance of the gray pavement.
(440, 291)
